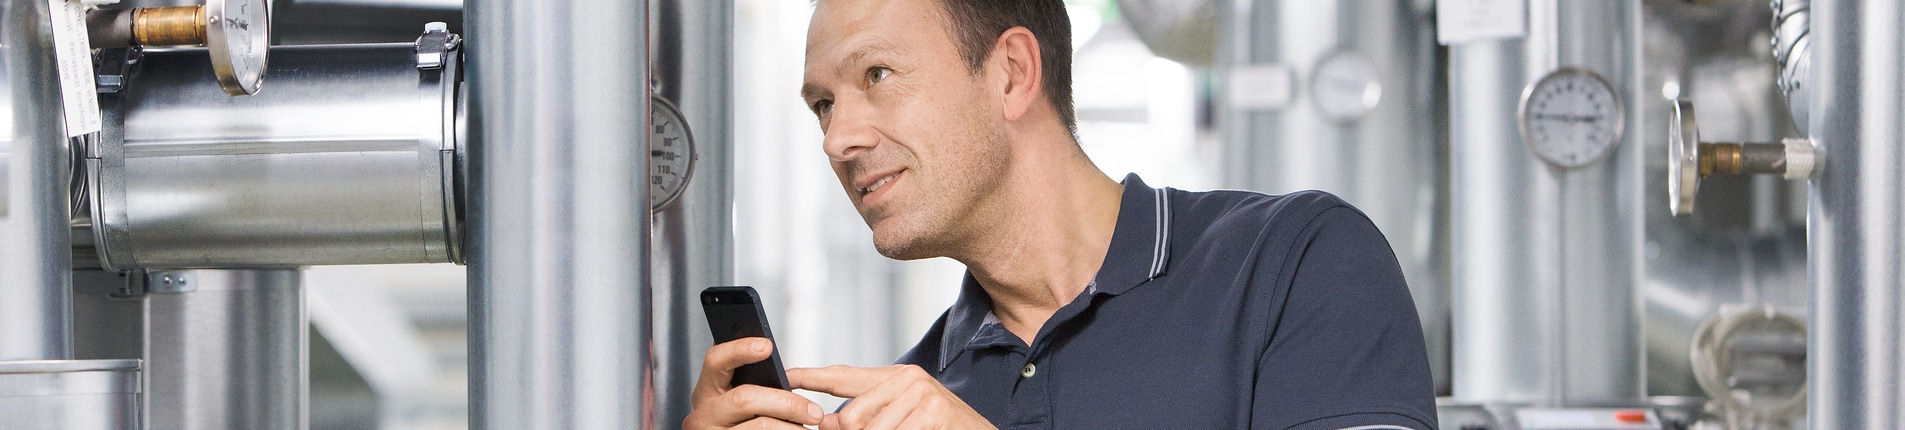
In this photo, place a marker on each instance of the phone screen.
(736, 313)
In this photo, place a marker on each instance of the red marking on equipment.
(1631, 416)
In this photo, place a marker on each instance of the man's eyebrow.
(860, 54)
(811, 92)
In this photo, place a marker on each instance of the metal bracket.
(171, 282)
(112, 67)
(118, 284)
(433, 48)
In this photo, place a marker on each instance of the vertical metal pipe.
(1856, 220)
(694, 236)
(559, 295)
(226, 349)
(1545, 259)
(35, 240)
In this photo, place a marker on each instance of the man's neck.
(1045, 250)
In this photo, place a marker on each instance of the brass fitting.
(169, 26)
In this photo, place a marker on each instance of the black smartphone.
(736, 313)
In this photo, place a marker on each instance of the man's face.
(917, 140)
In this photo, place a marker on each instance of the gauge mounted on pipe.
(1571, 117)
(671, 153)
(236, 32)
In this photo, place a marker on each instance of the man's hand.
(747, 406)
(892, 397)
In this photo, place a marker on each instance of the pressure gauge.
(671, 153)
(1571, 118)
(237, 32)
(1345, 86)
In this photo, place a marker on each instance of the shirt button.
(1029, 370)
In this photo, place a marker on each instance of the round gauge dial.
(671, 153)
(1345, 87)
(238, 34)
(1571, 118)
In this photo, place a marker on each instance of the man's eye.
(823, 107)
(877, 74)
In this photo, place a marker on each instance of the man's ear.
(1024, 75)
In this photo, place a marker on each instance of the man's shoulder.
(1234, 212)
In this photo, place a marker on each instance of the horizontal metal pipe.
(348, 160)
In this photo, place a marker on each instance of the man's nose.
(850, 132)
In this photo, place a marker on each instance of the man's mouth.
(877, 184)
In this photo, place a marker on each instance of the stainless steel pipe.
(1856, 219)
(694, 236)
(35, 245)
(348, 159)
(559, 281)
(226, 349)
(1546, 260)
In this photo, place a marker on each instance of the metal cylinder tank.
(226, 349)
(1339, 96)
(346, 158)
(1546, 256)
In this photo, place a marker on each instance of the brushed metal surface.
(694, 236)
(231, 353)
(1546, 261)
(560, 302)
(69, 395)
(340, 163)
(35, 245)
(1857, 216)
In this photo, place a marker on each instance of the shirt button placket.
(1032, 407)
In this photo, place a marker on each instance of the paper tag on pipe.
(74, 53)
(1462, 21)
(1261, 87)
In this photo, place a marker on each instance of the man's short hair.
(977, 24)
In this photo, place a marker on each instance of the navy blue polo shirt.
(1213, 310)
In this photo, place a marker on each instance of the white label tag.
(1261, 87)
(75, 56)
(1462, 21)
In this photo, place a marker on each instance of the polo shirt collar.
(1140, 250)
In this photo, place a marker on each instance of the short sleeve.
(1345, 349)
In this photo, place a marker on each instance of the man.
(1088, 303)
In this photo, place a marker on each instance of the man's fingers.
(769, 423)
(840, 381)
(747, 402)
(900, 400)
(717, 369)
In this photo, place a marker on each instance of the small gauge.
(238, 33)
(1346, 87)
(671, 153)
(1571, 118)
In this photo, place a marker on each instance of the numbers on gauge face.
(1571, 118)
(671, 154)
(246, 29)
